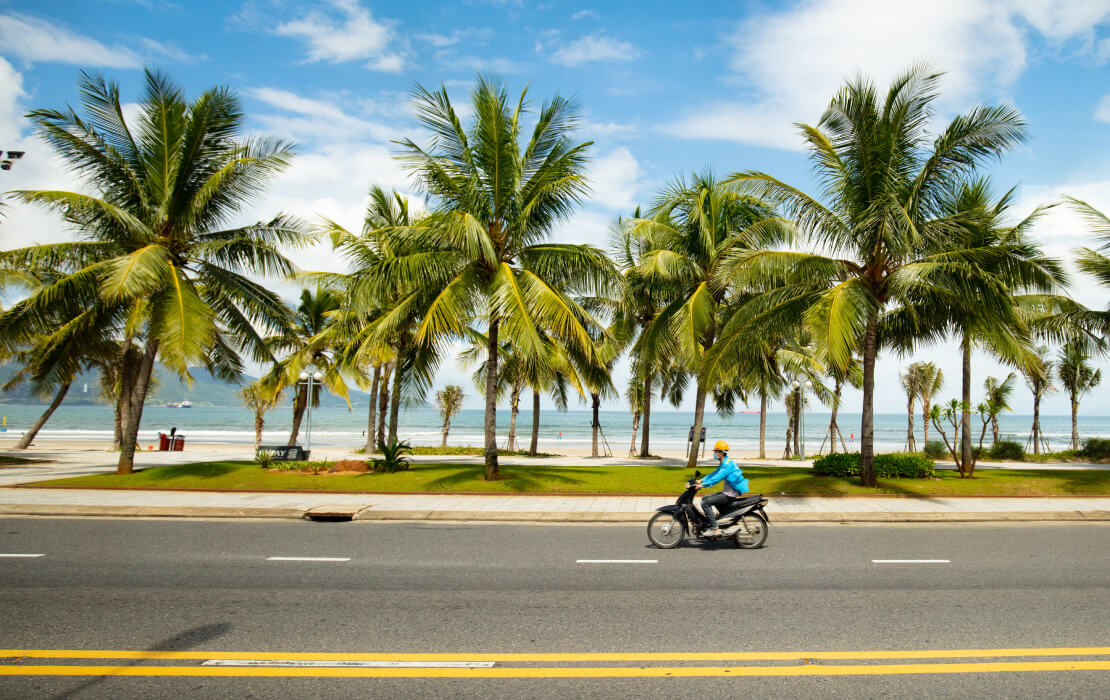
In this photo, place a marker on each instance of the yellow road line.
(539, 657)
(564, 672)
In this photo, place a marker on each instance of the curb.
(370, 514)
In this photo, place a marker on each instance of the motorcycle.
(745, 521)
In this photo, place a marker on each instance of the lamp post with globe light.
(802, 414)
(309, 376)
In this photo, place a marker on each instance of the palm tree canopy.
(157, 245)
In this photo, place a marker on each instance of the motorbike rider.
(734, 485)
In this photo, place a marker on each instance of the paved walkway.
(470, 507)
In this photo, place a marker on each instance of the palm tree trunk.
(762, 424)
(968, 466)
(446, 428)
(596, 400)
(383, 402)
(867, 423)
(514, 407)
(699, 416)
(126, 464)
(911, 443)
(300, 403)
(635, 429)
(1036, 423)
(1074, 421)
(787, 452)
(645, 451)
(925, 421)
(994, 430)
(371, 420)
(492, 471)
(29, 436)
(833, 427)
(533, 447)
(395, 402)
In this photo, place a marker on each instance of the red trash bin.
(163, 442)
(178, 443)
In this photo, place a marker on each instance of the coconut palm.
(449, 401)
(1094, 262)
(884, 172)
(997, 399)
(481, 249)
(260, 397)
(911, 384)
(694, 228)
(852, 375)
(932, 379)
(1077, 377)
(159, 257)
(1038, 378)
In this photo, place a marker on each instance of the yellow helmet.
(720, 445)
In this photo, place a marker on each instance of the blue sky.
(664, 90)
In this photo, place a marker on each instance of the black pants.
(719, 500)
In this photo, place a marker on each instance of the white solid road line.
(22, 556)
(617, 561)
(911, 561)
(308, 559)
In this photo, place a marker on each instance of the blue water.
(567, 430)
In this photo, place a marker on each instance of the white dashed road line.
(21, 556)
(308, 559)
(911, 561)
(617, 561)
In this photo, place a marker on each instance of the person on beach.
(734, 485)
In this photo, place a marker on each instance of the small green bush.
(1007, 449)
(393, 457)
(264, 459)
(887, 466)
(935, 449)
(1095, 448)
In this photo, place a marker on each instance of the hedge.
(1094, 448)
(895, 465)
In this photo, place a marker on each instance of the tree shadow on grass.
(519, 479)
(203, 470)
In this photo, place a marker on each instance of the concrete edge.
(371, 514)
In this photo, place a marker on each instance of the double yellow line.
(14, 667)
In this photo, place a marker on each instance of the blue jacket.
(729, 472)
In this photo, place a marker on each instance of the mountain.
(205, 391)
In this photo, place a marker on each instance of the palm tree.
(1038, 378)
(260, 397)
(852, 375)
(911, 383)
(481, 249)
(160, 259)
(1077, 377)
(883, 175)
(1095, 263)
(449, 401)
(997, 399)
(694, 229)
(932, 379)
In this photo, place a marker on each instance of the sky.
(664, 92)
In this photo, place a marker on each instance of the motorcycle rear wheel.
(752, 533)
(665, 530)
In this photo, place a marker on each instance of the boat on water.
(173, 404)
(186, 404)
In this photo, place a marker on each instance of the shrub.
(1095, 448)
(935, 449)
(264, 459)
(841, 464)
(393, 457)
(887, 466)
(1007, 449)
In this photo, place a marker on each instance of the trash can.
(178, 442)
(163, 442)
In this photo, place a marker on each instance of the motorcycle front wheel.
(752, 533)
(665, 530)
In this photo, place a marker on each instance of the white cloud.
(171, 51)
(353, 36)
(1102, 111)
(790, 63)
(36, 40)
(614, 179)
(595, 47)
(316, 117)
(582, 14)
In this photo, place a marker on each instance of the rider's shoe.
(712, 532)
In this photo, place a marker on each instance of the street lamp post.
(309, 380)
(802, 415)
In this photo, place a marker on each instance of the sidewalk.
(480, 507)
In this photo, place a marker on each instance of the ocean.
(564, 430)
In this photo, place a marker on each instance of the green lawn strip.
(646, 479)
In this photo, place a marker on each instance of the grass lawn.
(645, 479)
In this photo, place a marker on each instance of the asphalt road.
(210, 590)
